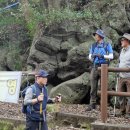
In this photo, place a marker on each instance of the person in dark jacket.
(36, 104)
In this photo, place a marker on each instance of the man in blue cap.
(36, 99)
(100, 53)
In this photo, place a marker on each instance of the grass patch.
(5, 125)
(53, 108)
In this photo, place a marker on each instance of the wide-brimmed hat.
(42, 73)
(126, 36)
(100, 33)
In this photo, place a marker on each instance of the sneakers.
(91, 107)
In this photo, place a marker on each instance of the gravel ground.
(66, 128)
(81, 109)
(9, 110)
(14, 111)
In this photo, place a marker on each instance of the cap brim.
(121, 38)
(42, 76)
(46, 76)
(98, 35)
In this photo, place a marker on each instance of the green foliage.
(53, 108)
(10, 17)
(20, 127)
(5, 125)
(11, 21)
(50, 108)
(11, 48)
(51, 16)
(46, 16)
(4, 3)
(87, 126)
(14, 54)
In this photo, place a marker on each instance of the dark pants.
(124, 86)
(34, 125)
(94, 78)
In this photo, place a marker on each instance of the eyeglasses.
(123, 39)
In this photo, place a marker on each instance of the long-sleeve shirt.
(109, 56)
(125, 61)
(29, 96)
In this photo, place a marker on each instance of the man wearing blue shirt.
(100, 53)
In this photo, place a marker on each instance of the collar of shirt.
(100, 44)
(126, 49)
(102, 41)
(37, 85)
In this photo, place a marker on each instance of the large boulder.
(118, 19)
(62, 49)
(77, 62)
(73, 91)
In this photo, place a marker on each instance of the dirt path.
(8, 110)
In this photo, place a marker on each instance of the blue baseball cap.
(42, 73)
(100, 33)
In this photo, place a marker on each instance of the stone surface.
(105, 126)
(73, 91)
(62, 49)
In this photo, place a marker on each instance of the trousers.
(124, 86)
(35, 125)
(94, 78)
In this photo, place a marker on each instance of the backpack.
(23, 93)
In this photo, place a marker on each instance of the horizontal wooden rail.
(113, 93)
(104, 93)
(111, 69)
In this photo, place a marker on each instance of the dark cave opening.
(54, 80)
(86, 99)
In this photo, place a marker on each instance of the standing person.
(124, 78)
(36, 103)
(100, 53)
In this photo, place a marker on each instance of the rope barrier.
(10, 6)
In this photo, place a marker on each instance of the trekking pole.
(58, 102)
(115, 101)
(41, 114)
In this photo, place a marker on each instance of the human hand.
(98, 55)
(93, 55)
(40, 97)
(58, 98)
